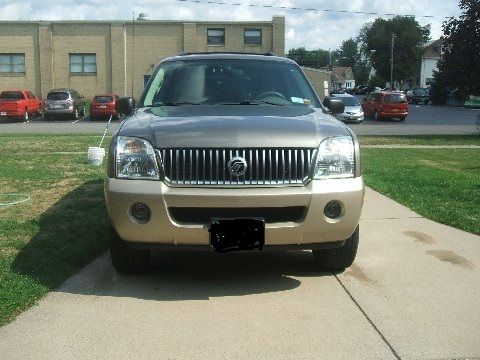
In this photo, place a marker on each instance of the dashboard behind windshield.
(228, 81)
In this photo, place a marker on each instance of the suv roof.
(229, 55)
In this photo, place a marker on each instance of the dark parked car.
(418, 96)
(386, 104)
(103, 105)
(232, 152)
(367, 90)
(64, 102)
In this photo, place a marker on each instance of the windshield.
(57, 96)
(349, 101)
(228, 81)
(11, 95)
(395, 98)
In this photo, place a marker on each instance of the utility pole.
(391, 63)
(330, 68)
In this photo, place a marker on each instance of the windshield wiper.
(174, 103)
(251, 102)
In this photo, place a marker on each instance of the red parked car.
(19, 104)
(386, 104)
(103, 105)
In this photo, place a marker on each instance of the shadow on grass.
(75, 230)
(72, 232)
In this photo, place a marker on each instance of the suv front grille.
(210, 166)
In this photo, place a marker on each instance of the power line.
(209, 2)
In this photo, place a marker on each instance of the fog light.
(141, 212)
(333, 209)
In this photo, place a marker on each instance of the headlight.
(335, 158)
(135, 159)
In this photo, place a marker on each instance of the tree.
(311, 58)
(459, 67)
(410, 38)
(348, 54)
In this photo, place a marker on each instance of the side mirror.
(335, 106)
(124, 105)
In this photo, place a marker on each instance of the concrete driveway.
(413, 293)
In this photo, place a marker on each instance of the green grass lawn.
(61, 228)
(439, 184)
(64, 225)
(421, 140)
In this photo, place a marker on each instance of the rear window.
(103, 99)
(11, 95)
(57, 96)
(349, 101)
(420, 92)
(395, 98)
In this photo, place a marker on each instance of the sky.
(312, 29)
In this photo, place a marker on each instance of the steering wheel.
(271, 94)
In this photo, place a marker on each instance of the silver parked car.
(232, 152)
(353, 109)
(64, 102)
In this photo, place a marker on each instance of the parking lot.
(422, 119)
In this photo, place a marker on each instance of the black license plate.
(237, 234)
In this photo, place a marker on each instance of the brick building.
(97, 57)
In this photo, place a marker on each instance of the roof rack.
(225, 52)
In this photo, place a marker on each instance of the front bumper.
(312, 228)
(354, 118)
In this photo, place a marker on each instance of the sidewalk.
(412, 293)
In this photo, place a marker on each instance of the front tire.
(125, 259)
(338, 259)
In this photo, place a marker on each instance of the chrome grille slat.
(193, 166)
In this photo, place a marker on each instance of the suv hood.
(215, 126)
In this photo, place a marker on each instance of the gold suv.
(232, 152)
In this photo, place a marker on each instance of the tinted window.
(228, 81)
(103, 99)
(57, 96)
(395, 98)
(420, 92)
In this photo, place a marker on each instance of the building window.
(348, 74)
(12, 63)
(83, 64)
(215, 36)
(252, 36)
